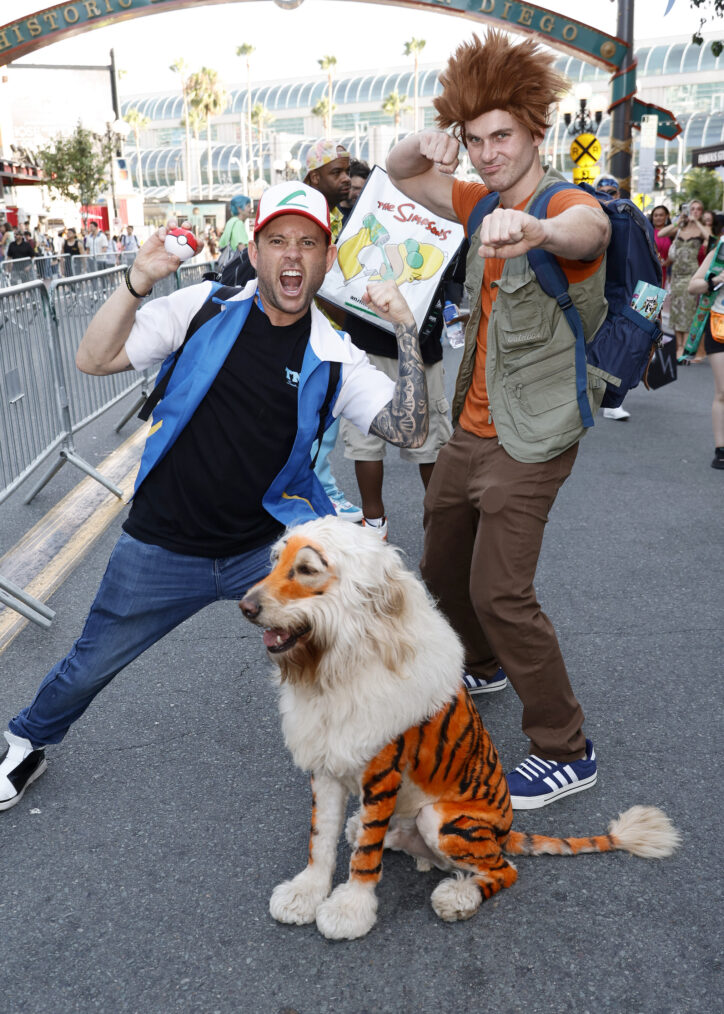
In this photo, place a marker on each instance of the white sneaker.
(379, 530)
(616, 413)
(20, 766)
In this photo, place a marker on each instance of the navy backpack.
(626, 341)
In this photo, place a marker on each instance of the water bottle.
(455, 331)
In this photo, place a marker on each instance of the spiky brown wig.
(495, 74)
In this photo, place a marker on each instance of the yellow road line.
(54, 547)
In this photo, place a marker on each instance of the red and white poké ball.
(181, 243)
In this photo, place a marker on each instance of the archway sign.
(53, 24)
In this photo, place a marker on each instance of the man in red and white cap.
(226, 462)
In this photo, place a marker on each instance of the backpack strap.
(335, 369)
(484, 206)
(554, 283)
(208, 309)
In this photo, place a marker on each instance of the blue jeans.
(146, 591)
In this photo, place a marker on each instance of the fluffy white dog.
(372, 703)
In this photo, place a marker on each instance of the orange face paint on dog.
(300, 571)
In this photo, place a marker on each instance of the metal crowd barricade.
(191, 273)
(17, 598)
(31, 425)
(17, 271)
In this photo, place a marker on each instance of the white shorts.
(361, 447)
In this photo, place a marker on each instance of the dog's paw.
(351, 828)
(296, 901)
(349, 912)
(456, 898)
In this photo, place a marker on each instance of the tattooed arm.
(404, 420)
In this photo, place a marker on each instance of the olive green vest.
(530, 365)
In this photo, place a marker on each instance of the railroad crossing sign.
(585, 150)
(587, 175)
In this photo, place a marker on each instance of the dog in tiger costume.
(372, 703)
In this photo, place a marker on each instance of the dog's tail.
(643, 831)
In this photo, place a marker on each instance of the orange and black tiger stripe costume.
(452, 759)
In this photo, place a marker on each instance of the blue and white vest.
(295, 494)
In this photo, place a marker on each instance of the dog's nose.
(250, 607)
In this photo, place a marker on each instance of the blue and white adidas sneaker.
(537, 782)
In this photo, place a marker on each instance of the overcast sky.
(361, 36)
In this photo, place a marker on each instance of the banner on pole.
(389, 237)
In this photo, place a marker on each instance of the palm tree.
(261, 118)
(137, 122)
(193, 121)
(211, 98)
(322, 110)
(245, 50)
(413, 48)
(180, 67)
(328, 63)
(394, 105)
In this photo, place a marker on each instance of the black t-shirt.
(204, 497)
(17, 250)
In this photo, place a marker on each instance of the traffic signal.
(660, 176)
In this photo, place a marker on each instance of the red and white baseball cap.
(292, 198)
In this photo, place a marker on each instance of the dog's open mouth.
(277, 640)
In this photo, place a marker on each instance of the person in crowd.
(71, 244)
(235, 235)
(129, 241)
(367, 451)
(660, 218)
(688, 233)
(495, 481)
(96, 245)
(21, 246)
(713, 341)
(8, 237)
(358, 173)
(327, 165)
(709, 221)
(608, 185)
(208, 506)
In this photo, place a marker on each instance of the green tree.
(180, 67)
(245, 50)
(261, 118)
(394, 105)
(322, 110)
(137, 122)
(209, 96)
(413, 48)
(713, 9)
(703, 185)
(328, 63)
(78, 166)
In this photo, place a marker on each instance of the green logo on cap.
(290, 197)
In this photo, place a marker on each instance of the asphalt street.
(137, 871)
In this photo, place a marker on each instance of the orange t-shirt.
(475, 416)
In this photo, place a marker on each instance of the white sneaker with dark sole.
(20, 767)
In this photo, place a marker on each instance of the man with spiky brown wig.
(517, 420)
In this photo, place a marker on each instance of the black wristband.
(136, 295)
(710, 283)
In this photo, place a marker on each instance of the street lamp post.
(115, 134)
(620, 144)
